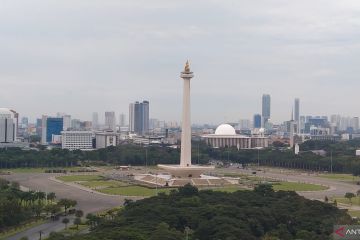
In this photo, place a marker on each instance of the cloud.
(84, 56)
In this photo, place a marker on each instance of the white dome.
(225, 129)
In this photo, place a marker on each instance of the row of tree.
(18, 206)
(340, 156)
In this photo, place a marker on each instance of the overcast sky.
(81, 56)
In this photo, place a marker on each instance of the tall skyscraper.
(75, 124)
(67, 122)
(139, 117)
(257, 121)
(244, 124)
(145, 117)
(122, 120)
(297, 114)
(51, 126)
(7, 126)
(266, 101)
(95, 121)
(110, 120)
(355, 123)
(131, 117)
(25, 121)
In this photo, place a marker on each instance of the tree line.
(340, 156)
(17, 207)
(188, 213)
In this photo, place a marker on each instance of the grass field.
(133, 191)
(354, 213)
(292, 186)
(77, 178)
(354, 201)
(341, 177)
(103, 183)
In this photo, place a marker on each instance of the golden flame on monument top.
(187, 67)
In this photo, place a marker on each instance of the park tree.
(349, 196)
(163, 232)
(79, 213)
(67, 203)
(77, 222)
(51, 196)
(66, 222)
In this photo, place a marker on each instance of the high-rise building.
(122, 120)
(244, 124)
(43, 129)
(51, 127)
(38, 126)
(145, 117)
(153, 123)
(25, 121)
(266, 101)
(355, 123)
(139, 117)
(75, 124)
(257, 121)
(131, 117)
(110, 121)
(95, 121)
(297, 114)
(7, 126)
(67, 122)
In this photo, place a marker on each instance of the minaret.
(185, 156)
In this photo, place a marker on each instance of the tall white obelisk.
(185, 157)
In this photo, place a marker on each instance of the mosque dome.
(225, 129)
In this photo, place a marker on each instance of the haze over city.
(79, 57)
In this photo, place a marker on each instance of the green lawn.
(342, 177)
(133, 191)
(354, 201)
(354, 213)
(103, 183)
(77, 178)
(292, 186)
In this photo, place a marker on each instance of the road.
(87, 201)
(336, 188)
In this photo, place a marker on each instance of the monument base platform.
(193, 171)
(162, 180)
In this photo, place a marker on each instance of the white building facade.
(7, 126)
(225, 136)
(105, 139)
(77, 140)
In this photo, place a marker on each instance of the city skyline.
(57, 56)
